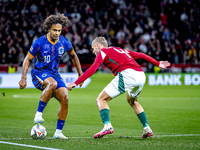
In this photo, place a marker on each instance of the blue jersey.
(49, 53)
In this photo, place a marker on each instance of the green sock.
(105, 115)
(143, 119)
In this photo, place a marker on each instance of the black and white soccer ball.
(38, 132)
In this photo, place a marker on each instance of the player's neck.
(51, 40)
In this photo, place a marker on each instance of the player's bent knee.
(98, 101)
(52, 85)
(65, 100)
(132, 101)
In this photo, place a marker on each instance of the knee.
(132, 101)
(98, 101)
(51, 85)
(65, 100)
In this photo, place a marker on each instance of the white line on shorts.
(39, 147)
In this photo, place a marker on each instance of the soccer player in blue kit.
(49, 49)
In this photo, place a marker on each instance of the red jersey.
(116, 59)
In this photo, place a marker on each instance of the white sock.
(147, 127)
(58, 131)
(38, 113)
(108, 125)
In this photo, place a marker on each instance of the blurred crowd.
(163, 29)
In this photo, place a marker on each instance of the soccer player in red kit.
(128, 77)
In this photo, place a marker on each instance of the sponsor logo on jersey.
(46, 46)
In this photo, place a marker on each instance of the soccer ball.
(38, 132)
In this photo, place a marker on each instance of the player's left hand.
(70, 86)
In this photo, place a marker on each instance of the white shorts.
(127, 80)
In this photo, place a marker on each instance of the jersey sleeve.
(68, 46)
(34, 48)
(100, 57)
(137, 55)
(89, 72)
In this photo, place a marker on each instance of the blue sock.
(60, 124)
(41, 106)
(105, 115)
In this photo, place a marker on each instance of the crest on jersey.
(44, 75)
(61, 51)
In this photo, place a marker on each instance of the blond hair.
(100, 40)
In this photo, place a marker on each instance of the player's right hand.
(71, 85)
(22, 84)
(164, 64)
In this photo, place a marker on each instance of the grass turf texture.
(171, 111)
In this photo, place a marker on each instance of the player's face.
(55, 31)
(96, 49)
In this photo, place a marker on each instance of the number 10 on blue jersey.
(47, 58)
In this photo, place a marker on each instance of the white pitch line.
(33, 95)
(164, 97)
(178, 135)
(24, 96)
(39, 147)
(5, 139)
(175, 135)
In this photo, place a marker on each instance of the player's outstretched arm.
(26, 63)
(90, 71)
(164, 64)
(77, 64)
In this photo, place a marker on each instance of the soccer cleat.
(104, 131)
(147, 132)
(59, 136)
(38, 119)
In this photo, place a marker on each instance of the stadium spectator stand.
(164, 29)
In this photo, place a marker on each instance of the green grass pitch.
(173, 113)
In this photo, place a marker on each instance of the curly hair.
(53, 19)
